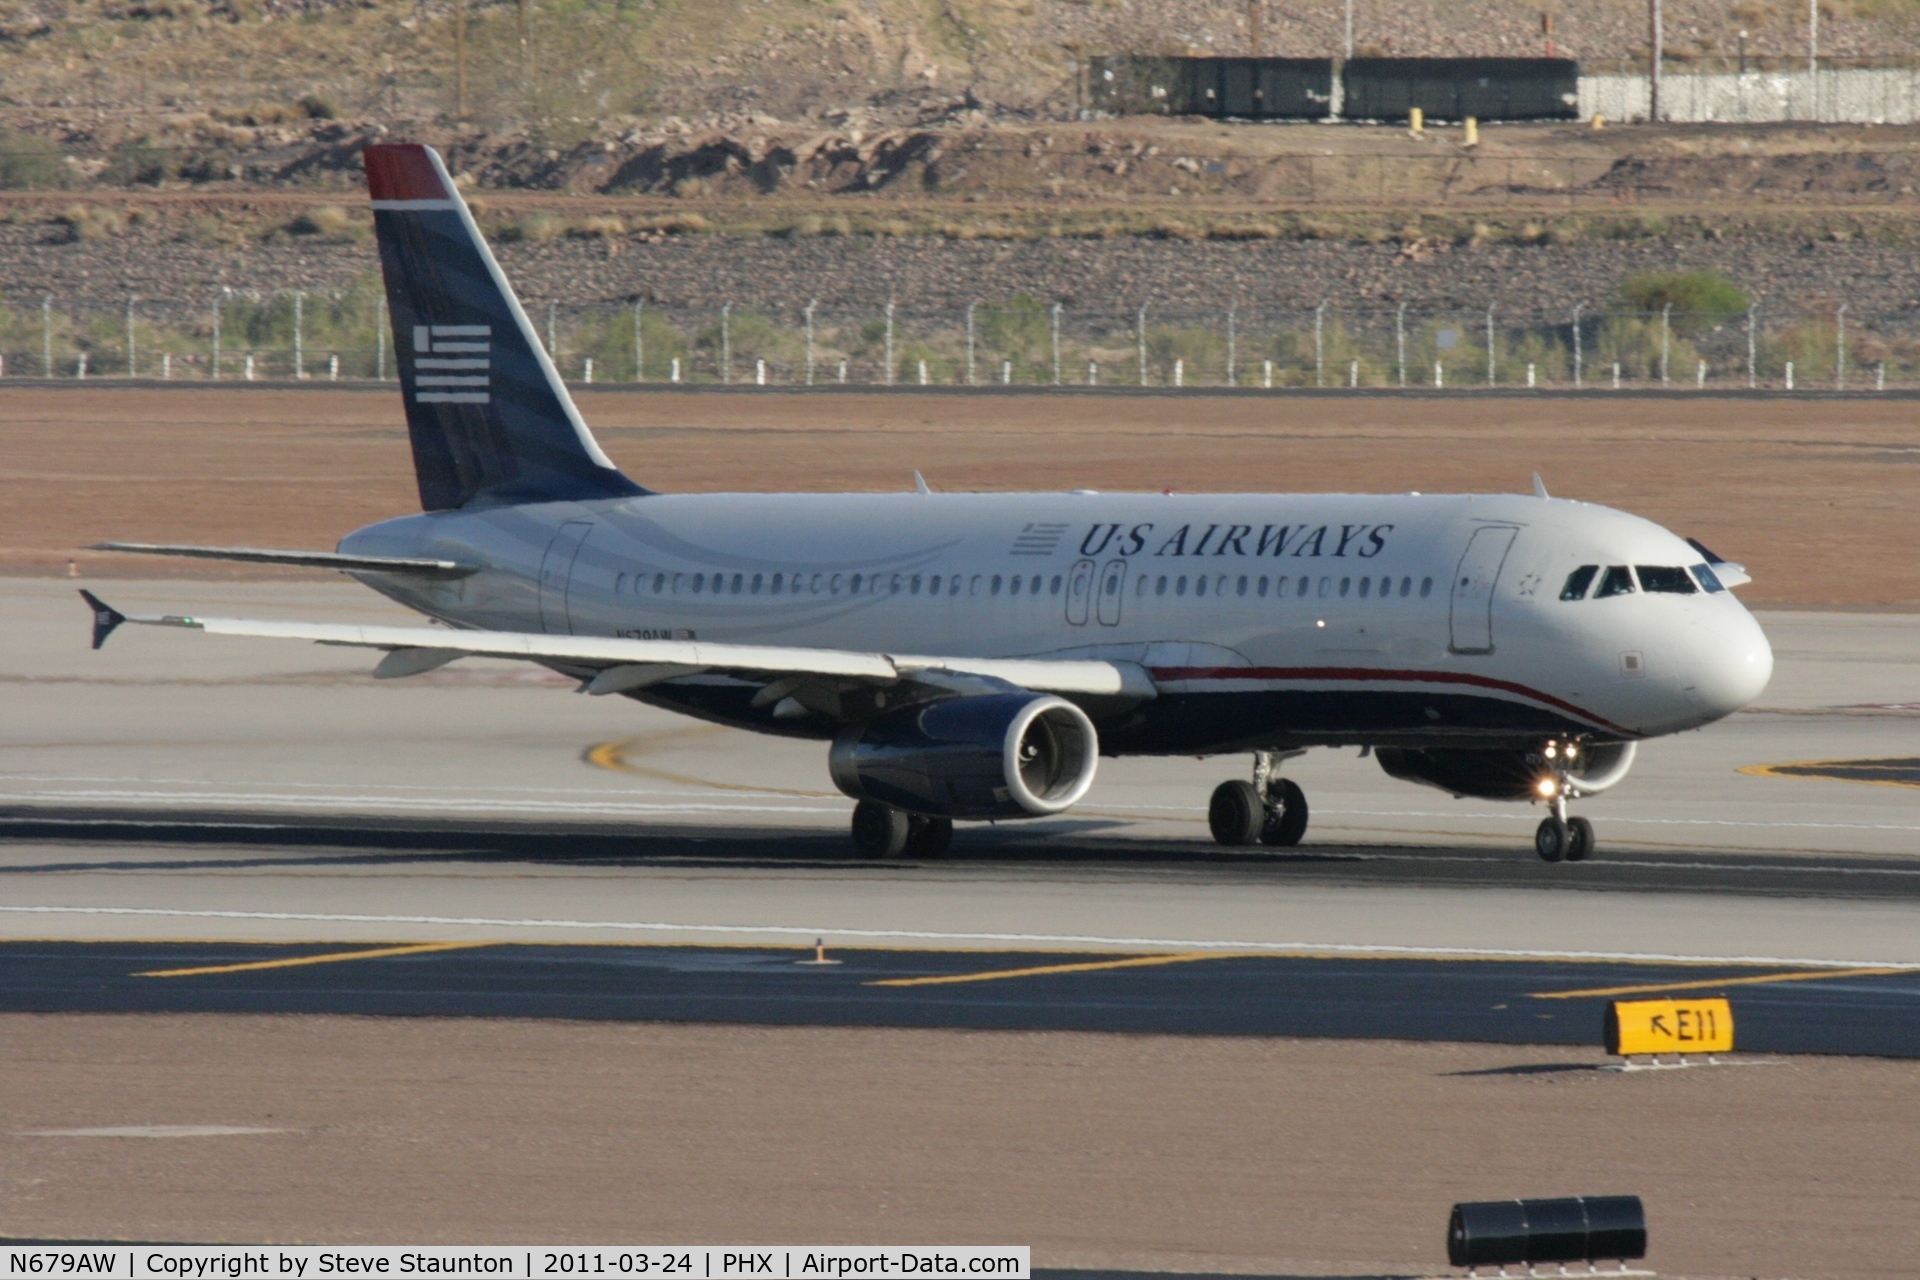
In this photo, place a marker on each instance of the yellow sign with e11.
(1669, 1026)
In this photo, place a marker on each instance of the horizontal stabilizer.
(305, 559)
(605, 653)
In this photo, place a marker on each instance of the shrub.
(28, 163)
(327, 220)
(1700, 299)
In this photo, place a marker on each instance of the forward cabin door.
(556, 571)
(1473, 582)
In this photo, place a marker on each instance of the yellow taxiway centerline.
(1716, 982)
(414, 950)
(1132, 962)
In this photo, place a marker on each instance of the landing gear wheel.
(879, 830)
(928, 837)
(1551, 839)
(1236, 814)
(1286, 816)
(1579, 839)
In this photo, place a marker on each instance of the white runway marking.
(151, 1131)
(929, 935)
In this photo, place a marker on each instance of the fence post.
(1700, 377)
(1439, 375)
(639, 344)
(1006, 373)
(811, 304)
(970, 307)
(759, 373)
(586, 370)
(923, 374)
(1753, 352)
(1616, 375)
(299, 336)
(1266, 374)
(1789, 375)
(249, 365)
(1840, 348)
(166, 365)
(133, 362)
(379, 346)
(80, 370)
(1056, 345)
(1880, 377)
(1353, 375)
(213, 368)
(1233, 350)
(1576, 344)
(1400, 340)
(1179, 372)
(1093, 373)
(333, 367)
(1319, 346)
(1666, 339)
(553, 332)
(673, 374)
(1490, 358)
(1142, 326)
(889, 341)
(726, 342)
(46, 335)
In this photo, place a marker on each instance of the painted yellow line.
(415, 950)
(1803, 976)
(1132, 962)
(614, 757)
(1828, 771)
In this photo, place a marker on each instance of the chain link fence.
(345, 336)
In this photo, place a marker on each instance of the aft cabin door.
(556, 571)
(1473, 581)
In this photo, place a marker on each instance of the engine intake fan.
(995, 755)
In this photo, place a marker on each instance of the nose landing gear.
(1559, 838)
(1269, 810)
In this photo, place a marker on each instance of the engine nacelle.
(1507, 774)
(995, 755)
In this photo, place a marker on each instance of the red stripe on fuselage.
(1164, 674)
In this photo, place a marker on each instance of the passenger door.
(556, 573)
(1079, 590)
(1113, 589)
(1471, 624)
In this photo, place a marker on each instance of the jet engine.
(1509, 774)
(992, 755)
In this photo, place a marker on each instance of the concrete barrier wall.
(1889, 95)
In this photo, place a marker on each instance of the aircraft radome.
(972, 656)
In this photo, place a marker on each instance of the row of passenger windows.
(662, 583)
(1300, 588)
(1618, 580)
(832, 584)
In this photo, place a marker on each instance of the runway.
(1861, 1011)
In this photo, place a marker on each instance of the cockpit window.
(1708, 582)
(1616, 581)
(1671, 579)
(1578, 581)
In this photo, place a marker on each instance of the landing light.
(1547, 787)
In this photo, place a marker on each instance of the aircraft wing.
(621, 665)
(305, 559)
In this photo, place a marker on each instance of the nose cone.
(1728, 664)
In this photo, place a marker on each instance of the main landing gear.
(1268, 810)
(882, 831)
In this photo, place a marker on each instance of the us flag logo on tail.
(452, 363)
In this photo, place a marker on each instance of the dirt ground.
(1810, 494)
(1284, 1157)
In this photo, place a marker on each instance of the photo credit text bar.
(519, 1262)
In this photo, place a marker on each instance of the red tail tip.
(403, 171)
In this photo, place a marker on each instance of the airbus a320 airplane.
(972, 656)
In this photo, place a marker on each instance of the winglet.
(920, 483)
(105, 617)
(1539, 486)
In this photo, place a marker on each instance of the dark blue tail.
(491, 422)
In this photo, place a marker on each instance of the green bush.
(1700, 299)
(28, 163)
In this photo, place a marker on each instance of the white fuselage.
(1308, 618)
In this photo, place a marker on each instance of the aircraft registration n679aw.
(972, 656)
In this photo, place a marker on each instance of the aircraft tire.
(880, 830)
(1579, 839)
(1287, 817)
(1236, 813)
(1551, 839)
(928, 837)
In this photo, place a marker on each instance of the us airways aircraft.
(972, 656)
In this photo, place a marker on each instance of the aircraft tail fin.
(490, 420)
